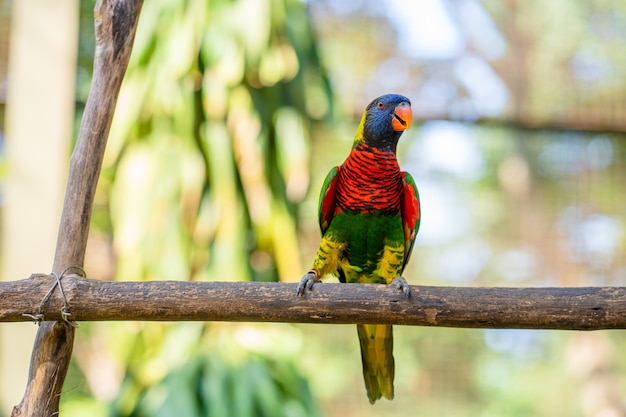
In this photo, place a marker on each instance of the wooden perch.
(586, 308)
(115, 25)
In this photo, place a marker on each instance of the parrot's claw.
(401, 284)
(306, 283)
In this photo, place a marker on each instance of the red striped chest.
(369, 180)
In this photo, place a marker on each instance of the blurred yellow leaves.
(209, 151)
(279, 63)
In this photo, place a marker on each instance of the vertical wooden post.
(115, 24)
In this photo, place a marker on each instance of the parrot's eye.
(381, 105)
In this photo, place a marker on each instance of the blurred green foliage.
(207, 160)
(214, 385)
(211, 386)
(208, 154)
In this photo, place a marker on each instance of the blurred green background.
(230, 116)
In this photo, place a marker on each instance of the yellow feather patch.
(358, 138)
(328, 256)
(391, 262)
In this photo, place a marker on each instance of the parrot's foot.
(401, 284)
(307, 281)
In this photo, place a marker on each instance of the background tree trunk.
(42, 77)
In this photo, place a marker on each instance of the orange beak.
(402, 117)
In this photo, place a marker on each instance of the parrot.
(369, 215)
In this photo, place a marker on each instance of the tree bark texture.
(577, 308)
(115, 25)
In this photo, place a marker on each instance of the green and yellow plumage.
(369, 215)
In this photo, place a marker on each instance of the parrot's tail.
(376, 342)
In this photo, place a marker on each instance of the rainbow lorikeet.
(369, 215)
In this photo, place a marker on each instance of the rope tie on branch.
(39, 317)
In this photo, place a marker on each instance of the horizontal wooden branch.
(581, 308)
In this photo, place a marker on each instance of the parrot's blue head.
(384, 120)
